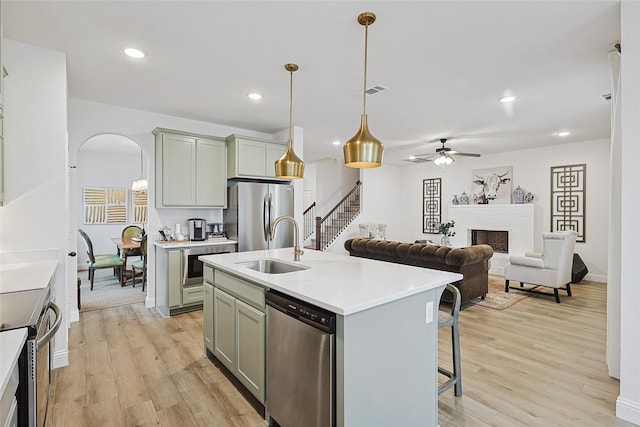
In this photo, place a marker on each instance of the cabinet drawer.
(192, 295)
(246, 291)
(208, 274)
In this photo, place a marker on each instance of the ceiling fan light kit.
(364, 150)
(442, 156)
(289, 166)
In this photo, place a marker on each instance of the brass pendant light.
(290, 166)
(364, 150)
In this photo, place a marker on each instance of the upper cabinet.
(250, 157)
(190, 170)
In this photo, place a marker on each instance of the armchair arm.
(527, 261)
(533, 255)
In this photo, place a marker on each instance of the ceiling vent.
(606, 97)
(375, 89)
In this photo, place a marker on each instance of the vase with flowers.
(446, 230)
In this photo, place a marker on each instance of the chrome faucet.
(296, 249)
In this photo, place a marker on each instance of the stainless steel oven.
(193, 267)
(32, 309)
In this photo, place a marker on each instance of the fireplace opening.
(498, 240)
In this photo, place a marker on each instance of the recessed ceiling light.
(255, 96)
(412, 157)
(336, 143)
(563, 133)
(133, 52)
(507, 99)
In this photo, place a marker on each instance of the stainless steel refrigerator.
(252, 208)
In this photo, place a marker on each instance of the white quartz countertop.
(26, 275)
(189, 244)
(340, 283)
(11, 343)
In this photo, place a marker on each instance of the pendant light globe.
(290, 166)
(364, 150)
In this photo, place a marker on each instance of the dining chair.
(141, 264)
(132, 231)
(96, 262)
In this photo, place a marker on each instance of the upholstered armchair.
(551, 269)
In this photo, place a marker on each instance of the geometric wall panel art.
(431, 204)
(568, 188)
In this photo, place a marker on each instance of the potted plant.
(446, 230)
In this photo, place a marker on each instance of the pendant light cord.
(290, 108)
(364, 88)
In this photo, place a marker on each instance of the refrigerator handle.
(265, 224)
(270, 201)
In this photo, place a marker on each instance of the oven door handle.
(56, 325)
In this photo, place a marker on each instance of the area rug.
(497, 298)
(107, 292)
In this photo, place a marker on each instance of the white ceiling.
(445, 63)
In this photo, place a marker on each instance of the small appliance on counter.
(197, 229)
(216, 231)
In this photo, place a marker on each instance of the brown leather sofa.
(471, 261)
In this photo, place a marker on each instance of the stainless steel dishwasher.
(300, 363)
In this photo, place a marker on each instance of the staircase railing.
(333, 223)
(308, 217)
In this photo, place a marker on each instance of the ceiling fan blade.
(457, 153)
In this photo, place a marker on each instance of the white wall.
(333, 181)
(393, 195)
(628, 402)
(35, 169)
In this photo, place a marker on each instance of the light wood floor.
(537, 363)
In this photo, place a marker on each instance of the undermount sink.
(272, 266)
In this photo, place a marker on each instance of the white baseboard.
(60, 359)
(628, 410)
(600, 278)
(149, 302)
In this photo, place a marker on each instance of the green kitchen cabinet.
(250, 355)
(249, 157)
(174, 278)
(239, 329)
(172, 297)
(208, 316)
(190, 170)
(224, 328)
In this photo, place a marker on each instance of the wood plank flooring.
(537, 363)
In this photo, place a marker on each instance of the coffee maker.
(197, 229)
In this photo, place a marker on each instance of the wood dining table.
(125, 244)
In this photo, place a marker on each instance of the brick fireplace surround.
(522, 222)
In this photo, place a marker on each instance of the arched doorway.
(107, 166)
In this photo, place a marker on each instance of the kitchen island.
(386, 328)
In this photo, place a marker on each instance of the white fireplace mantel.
(522, 221)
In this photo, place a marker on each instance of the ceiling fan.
(442, 156)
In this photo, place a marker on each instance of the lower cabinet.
(208, 316)
(171, 296)
(238, 328)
